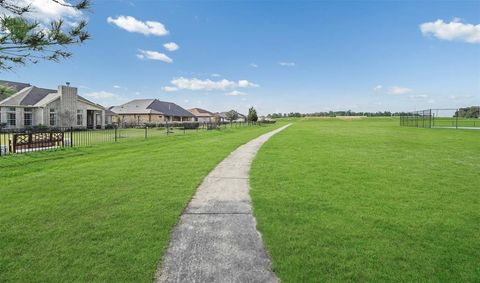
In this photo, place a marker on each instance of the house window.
(53, 117)
(27, 117)
(79, 117)
(11, 117)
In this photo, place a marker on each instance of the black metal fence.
(15, 141)
(455, 118)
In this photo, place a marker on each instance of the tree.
(231, 115)
(6, 91)
(25, 40)
(468, 112)
(67, 118)
(252, 115)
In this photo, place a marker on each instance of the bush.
(191, 125)
(40, 127)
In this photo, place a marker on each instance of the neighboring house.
(202, 115)
(109, 116)
(31, 106)
(222, 117)
(140, 111)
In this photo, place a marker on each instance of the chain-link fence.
(454, 118)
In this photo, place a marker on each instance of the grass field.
(453, 122)
(442, 122)
(103, 213)
(366, 200)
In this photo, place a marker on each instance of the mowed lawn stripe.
(367, 200)
(102, 213)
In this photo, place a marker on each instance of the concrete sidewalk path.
(216, 239)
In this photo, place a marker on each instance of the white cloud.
(245, 83)
(287, 64)
(101, 95)
(153, 55)
(398, 90)
(131, 24)
(117, 86)
(236, 93)
(171, 46)
(418, 96)
(197, 84)
(253, 65)
(453, 31)
(106, 98)
(377, 88)
(46, 11)
(169, 88)
(461, 97)
(216, 75)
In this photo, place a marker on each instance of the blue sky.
(277, 56)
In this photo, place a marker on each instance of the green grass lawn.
(103, 213)
(452, 122)
(367, 200)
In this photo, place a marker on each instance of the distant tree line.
(468, 112)
(336, 113)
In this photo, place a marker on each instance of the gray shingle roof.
(169, 108)
(109, 112)
(28, 96)
(136, 106)
(151, 106)
(35, 95)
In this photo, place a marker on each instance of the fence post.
(430, 126)
(456, 119)
(146, 132)
(115, 133)
(71, 137)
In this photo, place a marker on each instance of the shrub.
(40, 127)
(191, 125)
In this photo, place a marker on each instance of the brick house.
(141, 111)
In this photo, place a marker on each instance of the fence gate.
(26, 142)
